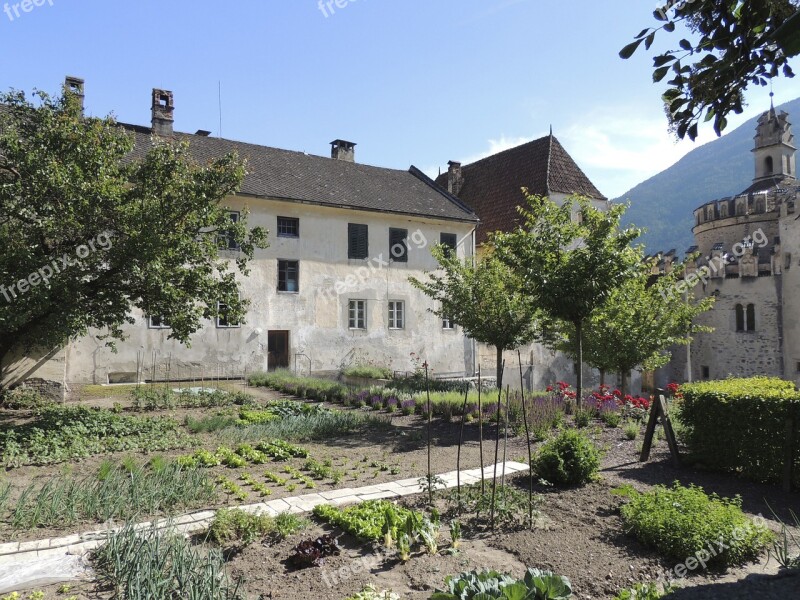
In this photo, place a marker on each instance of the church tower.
(774, 149)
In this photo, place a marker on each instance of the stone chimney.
(163, 111)
(342, 150)
(454, 178)
(74, 86)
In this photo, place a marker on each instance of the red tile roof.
(492, 187)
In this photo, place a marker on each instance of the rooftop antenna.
(219, 86)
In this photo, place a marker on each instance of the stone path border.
(17, 554)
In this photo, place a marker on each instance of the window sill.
(287, 293)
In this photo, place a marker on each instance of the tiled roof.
(299, 177)
(492, 187)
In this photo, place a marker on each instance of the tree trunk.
(579, 385)
(602, 377)
(499, 368)
(623, 382)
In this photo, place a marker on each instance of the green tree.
(483, 298)
(570, 258)
(88, 233)
(638, 324)
(737, 43)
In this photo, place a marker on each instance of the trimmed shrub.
(569, 459)
(683, 522)
(757, 409)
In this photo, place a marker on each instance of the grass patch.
(116, 492)
(63, 433)
(681, 522)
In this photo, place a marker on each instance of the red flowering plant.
(634, 407)
(674, 389)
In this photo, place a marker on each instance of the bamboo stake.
(528, 438)
(460, 443)
(496, 449)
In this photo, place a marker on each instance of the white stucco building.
(332, 287)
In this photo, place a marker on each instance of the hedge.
(739, 425)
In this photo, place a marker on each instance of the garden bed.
(579, 533)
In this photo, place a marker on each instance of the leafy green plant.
(583, 417)
(455, 534)
(235, 525)
(568, 459)
(646, 591)
(371, 593)
(682, 521)
(429, 533)
(486, 585)
(23, 399)
(287, 524)
(612, 418)
(151, 564)
(274, 478)
(364, 520)
(61, 433)
(231, 488)
(404, 547)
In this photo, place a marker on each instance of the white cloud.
(618, 148)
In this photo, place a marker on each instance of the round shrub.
(682, 522)
(568, 459)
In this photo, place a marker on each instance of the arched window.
(768, 165)
(723, 210)
(760, 205)
(739, 317)
(751, 317)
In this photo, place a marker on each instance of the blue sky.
(411, 81)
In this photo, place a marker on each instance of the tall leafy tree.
(639, 323)
(569, 258)
(734, 43)
(88, 233)
(483, 298)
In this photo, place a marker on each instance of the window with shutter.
(357, 241)
(398, 244)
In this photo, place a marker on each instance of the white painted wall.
(316, 316)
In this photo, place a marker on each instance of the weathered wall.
(726, 351)
(790, 243)
(316, 317)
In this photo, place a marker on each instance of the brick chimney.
(342, 150)
(74, 86)
(163, 111)
(455, 180)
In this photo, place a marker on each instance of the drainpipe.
(474, 344)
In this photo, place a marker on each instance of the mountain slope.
(664, 203)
